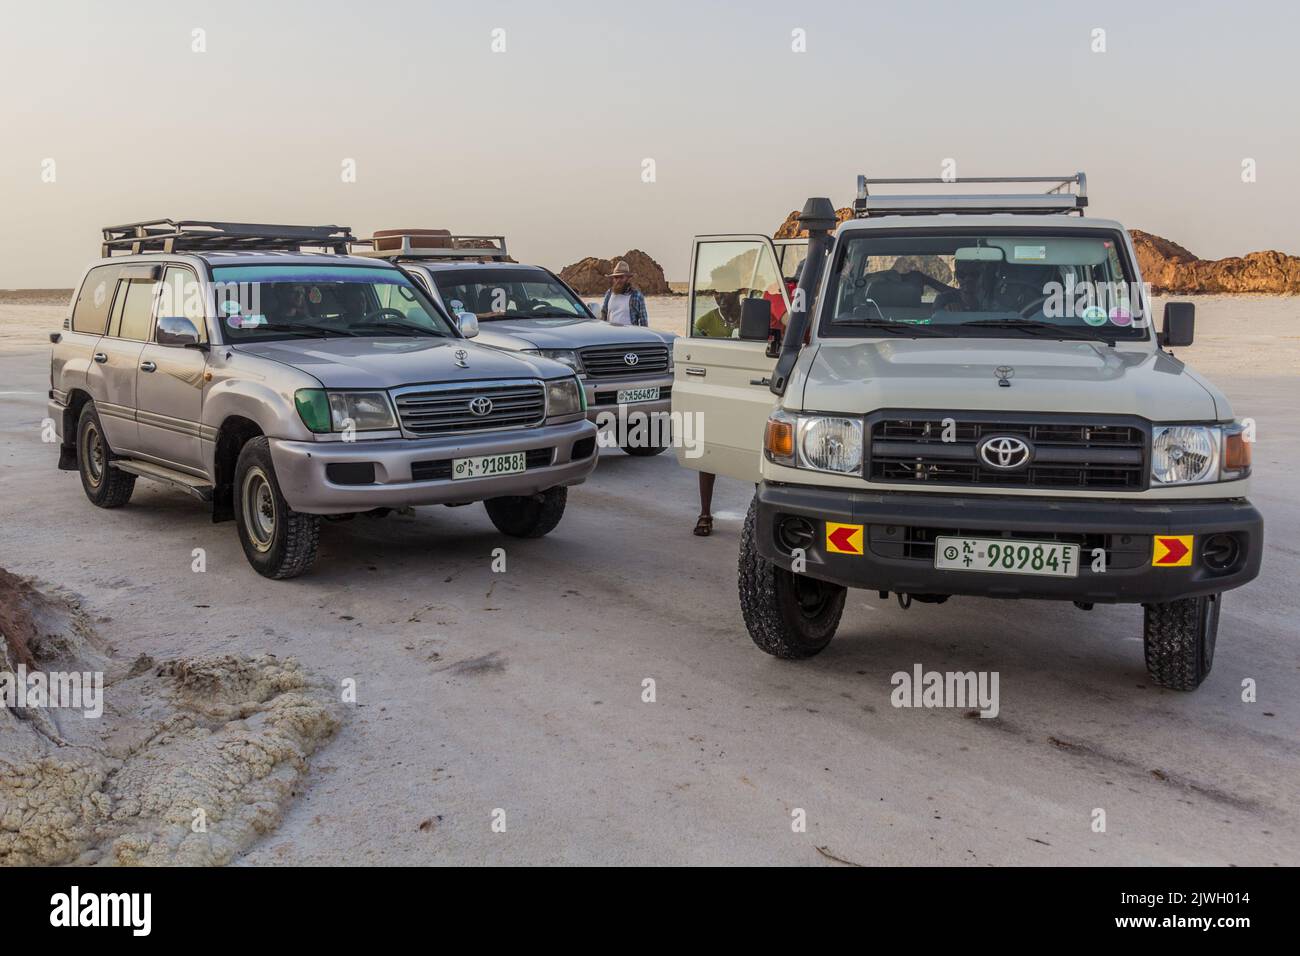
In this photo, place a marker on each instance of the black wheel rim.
(811, 595)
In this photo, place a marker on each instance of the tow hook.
(904, 600)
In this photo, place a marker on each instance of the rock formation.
(590, 276)
(1172, 270)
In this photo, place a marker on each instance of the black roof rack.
(1058, 199)
(200, 235)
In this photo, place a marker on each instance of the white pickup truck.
(965, 395)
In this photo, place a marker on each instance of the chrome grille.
(602, 361)
(434, 410)
(1066, 454)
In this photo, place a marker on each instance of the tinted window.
(260, 303)
(507, 294)
(136, 308)
(91, 310)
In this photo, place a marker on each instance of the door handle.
(697, 371)
(101, 357)
(760, 381)
(148, 367)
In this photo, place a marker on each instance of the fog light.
(1220, 551)
(351, 472)
(794, 532)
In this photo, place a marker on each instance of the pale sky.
(545, 142)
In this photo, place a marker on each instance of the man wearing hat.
(624, 304)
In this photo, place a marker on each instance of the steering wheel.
(370, 317)
(1036, 305)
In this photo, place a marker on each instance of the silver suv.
(626, 372)
(280, 385)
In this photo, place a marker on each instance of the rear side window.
(136, 309)
(90, 313)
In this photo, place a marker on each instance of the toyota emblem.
(1004, 373)
(1005, 452)
(480, 406)
(631, 358)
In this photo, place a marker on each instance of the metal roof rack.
(429, 244)
(201, 235)
(1061, 198)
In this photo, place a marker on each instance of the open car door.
(722, 365)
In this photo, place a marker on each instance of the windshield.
(263, 303)
(507, 294)
(1064, 285)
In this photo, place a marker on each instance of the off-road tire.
(1178, 639)
(105, 486)
(278, 541)
(777, 620)
(528, 516)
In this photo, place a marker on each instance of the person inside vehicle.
(352, 302)
(974, 290)
(294, 302)
(723, 320)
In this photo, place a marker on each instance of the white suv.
(970, 399)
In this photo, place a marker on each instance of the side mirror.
(468, 323)
(755, 319)
(176, 331)
(1180, 320)
(593, 308)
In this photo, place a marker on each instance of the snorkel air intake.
(818, 218)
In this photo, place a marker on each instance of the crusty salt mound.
(191, 762)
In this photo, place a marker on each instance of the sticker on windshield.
(246, 321)
(230, 307)
(1031, 252)
(1121, 316)
(457, 306)
(1094, 315)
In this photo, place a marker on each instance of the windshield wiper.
(1035, 326)
(402, 326)
(302, 328)
(898, 328)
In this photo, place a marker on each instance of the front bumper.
(602, 395)
(896, 527)
(401, 467)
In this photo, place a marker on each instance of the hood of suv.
(391, 361)
(961, 374)
(562, 334)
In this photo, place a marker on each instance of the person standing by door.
(624, 304)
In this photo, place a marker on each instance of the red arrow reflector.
(1172, 551)
(843, 538)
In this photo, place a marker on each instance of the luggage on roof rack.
(201, 235)
(1058, 199)
(429, 244)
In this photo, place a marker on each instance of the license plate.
(1007, 556)
(626, 396)
(488, 466)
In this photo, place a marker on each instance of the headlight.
(563, 356)
(817, 442)
(830, 444)
(1185, 454)
(564, 397)
(326, 411)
